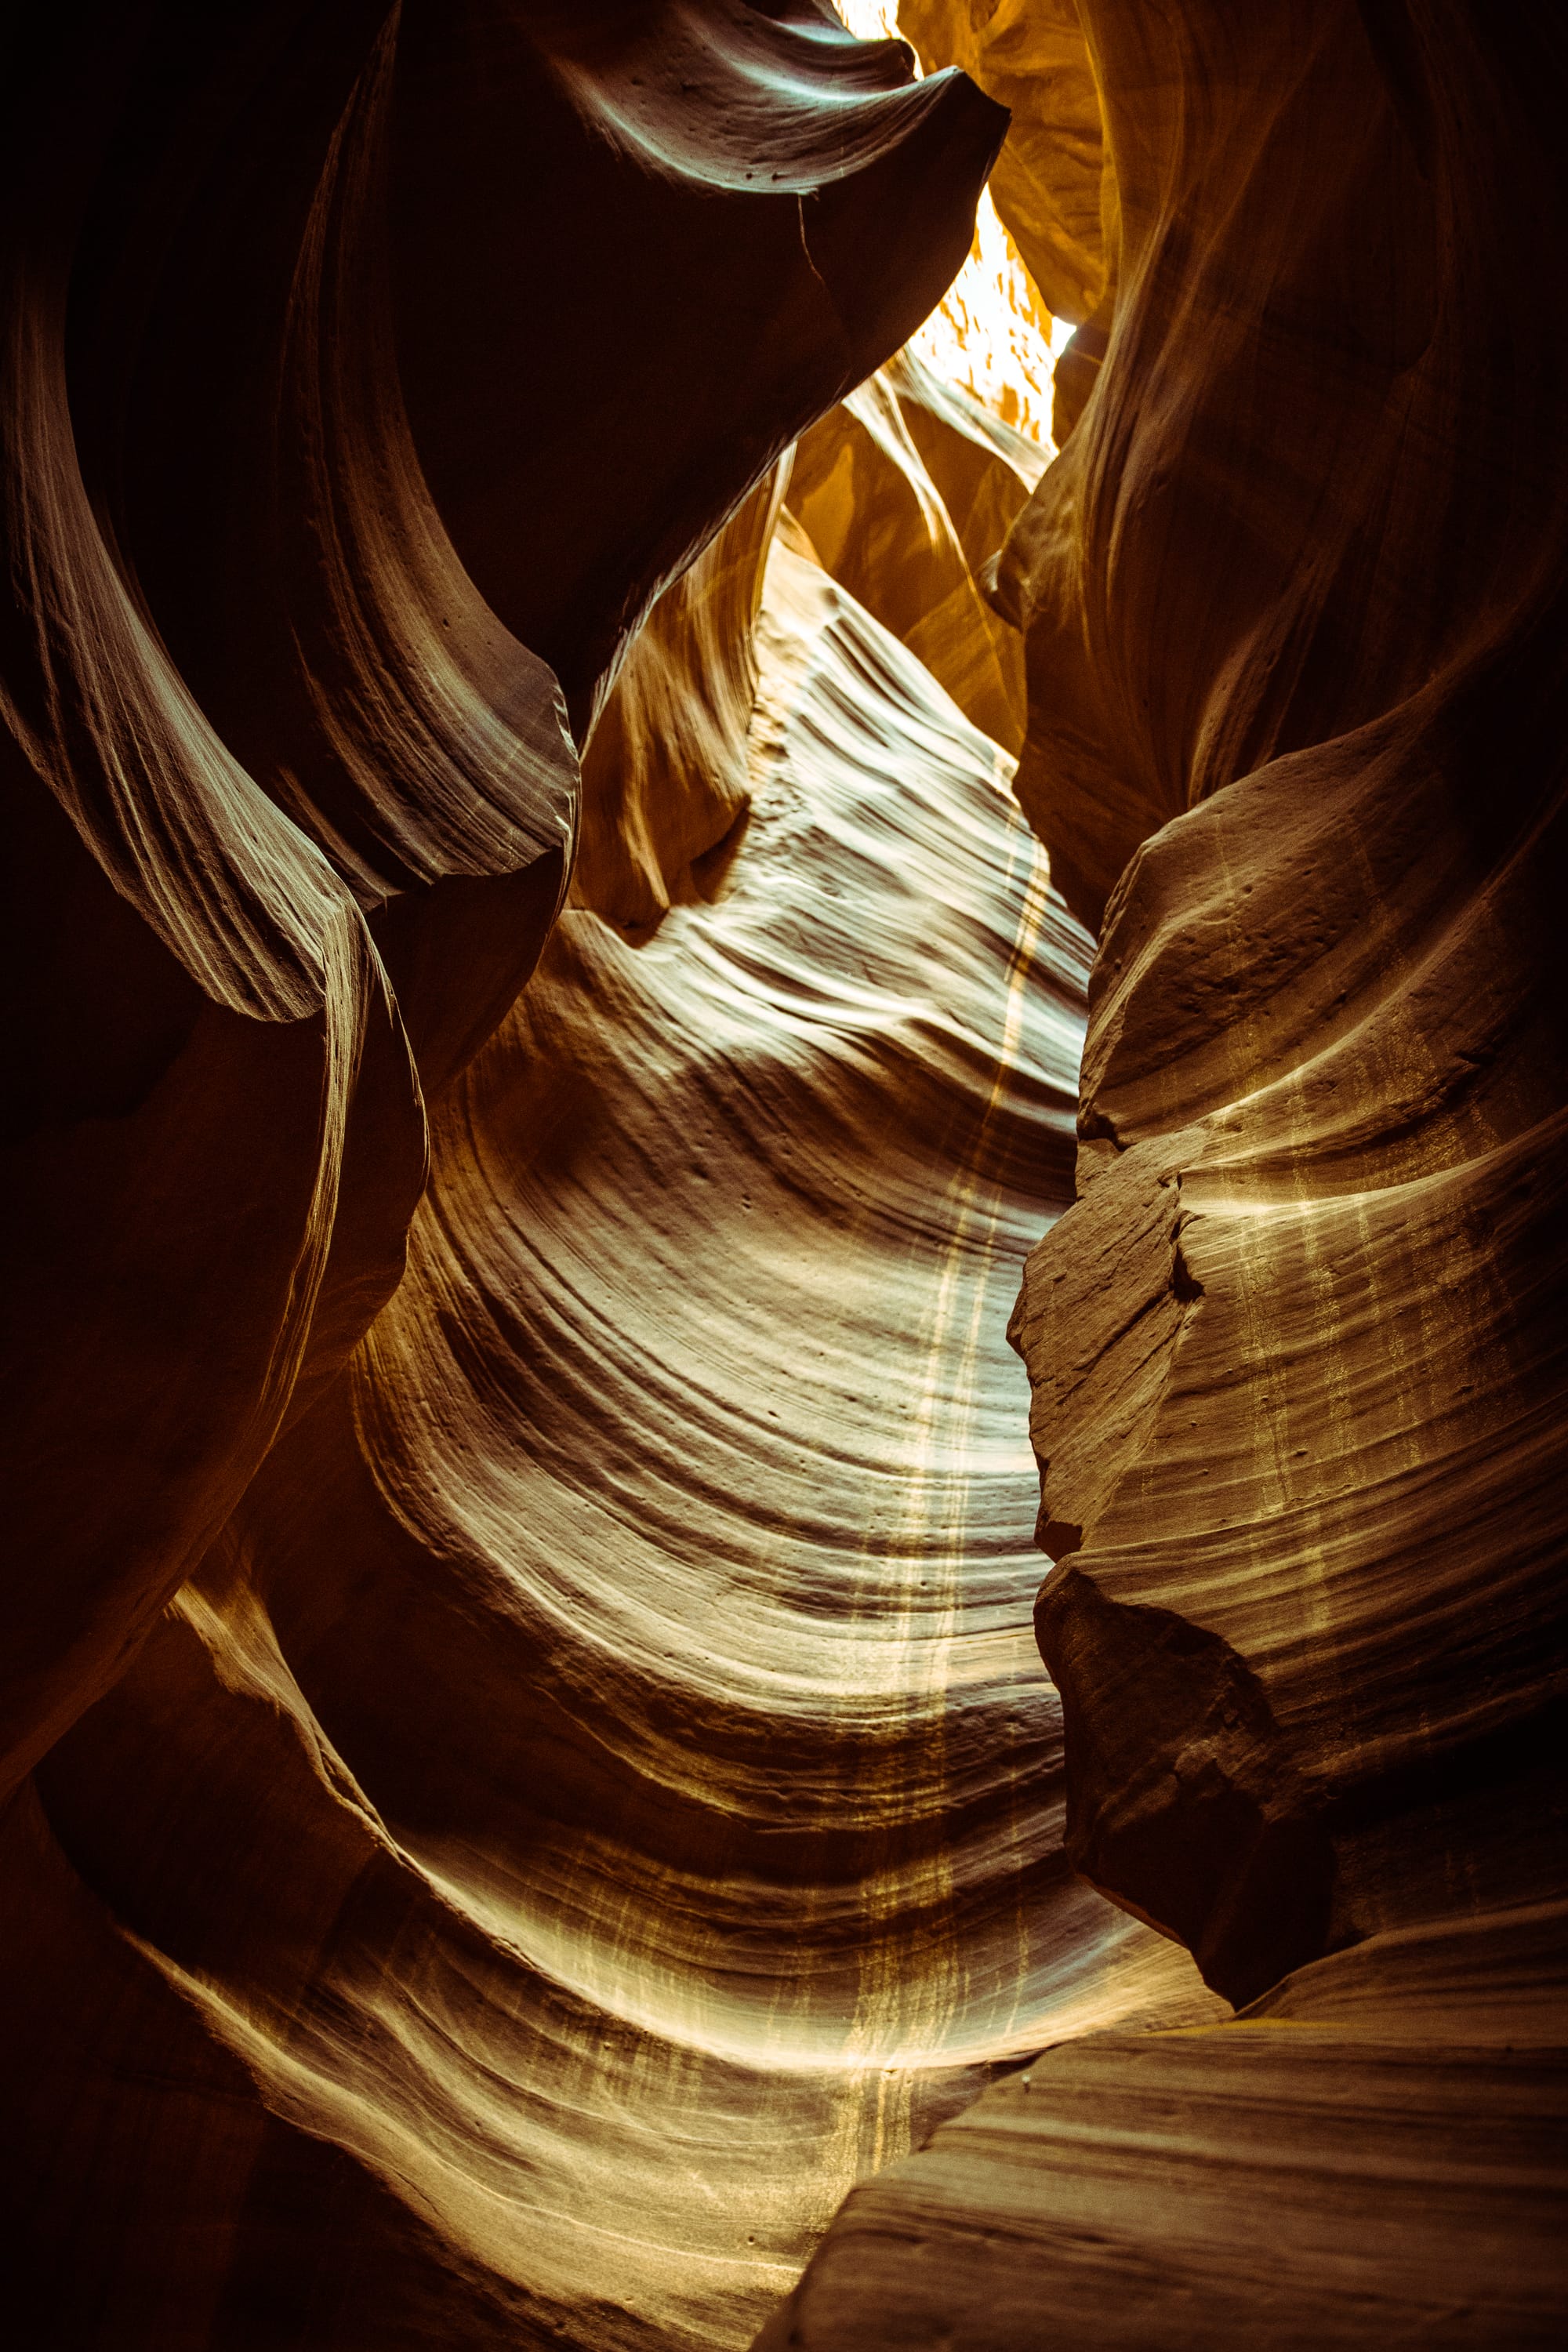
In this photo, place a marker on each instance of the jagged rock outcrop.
(1326, 1047)
(1294, 601)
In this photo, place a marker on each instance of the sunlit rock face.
(1031, 56)
(282, 741)
(600, 1797)
(1294, 606)
(906, 491)
(992, 334)
(528, 1770)
(273, 740)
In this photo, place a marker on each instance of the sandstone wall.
(1293, 600)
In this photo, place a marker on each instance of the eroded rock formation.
(906, 492)
(1055, 185)
(256, 695)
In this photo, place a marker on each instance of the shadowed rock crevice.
(1181, 1799)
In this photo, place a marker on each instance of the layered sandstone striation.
(1294, 597)
(283, 736)
(600, 1788)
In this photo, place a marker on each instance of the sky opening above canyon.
(991, 333)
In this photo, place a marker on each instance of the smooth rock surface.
(256, 694)
(516, 1682)
(1317, 2172)
(538, 1046)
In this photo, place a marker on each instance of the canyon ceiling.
(610, 888)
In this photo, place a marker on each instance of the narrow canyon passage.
(785, 1378)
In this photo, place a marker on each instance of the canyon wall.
(1293, 598)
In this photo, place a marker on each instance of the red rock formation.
(251, 666)
(549, 1790)
(1031, 56)
(1374, 2154)
(1055, 182)
(1325, 1067)
(906, 491)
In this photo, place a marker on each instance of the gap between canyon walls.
(529, 1773)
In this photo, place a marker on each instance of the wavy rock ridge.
(583, 1790)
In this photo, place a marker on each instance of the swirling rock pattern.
(290, 705)
(1340, 2165)
(527, 1771)
(1294, 602)
(541, 1780)
(593, 1798)
(666, 776)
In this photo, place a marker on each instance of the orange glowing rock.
(906, 491)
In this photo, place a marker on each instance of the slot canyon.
(788, 1222)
